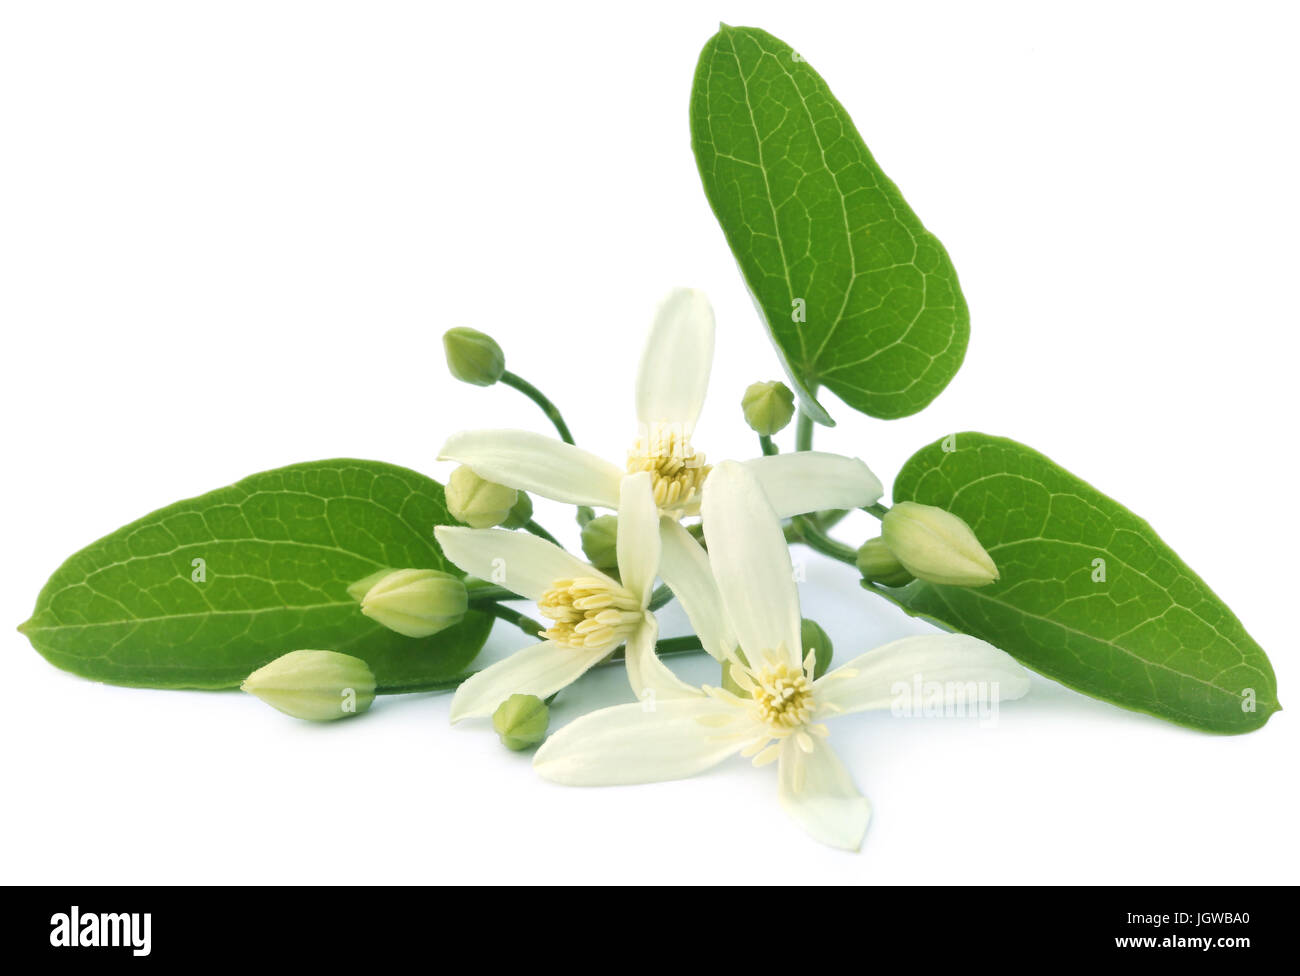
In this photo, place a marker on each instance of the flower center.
(589, 612)
(677, 469)
(784, 696)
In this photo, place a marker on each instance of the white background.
(231, 236)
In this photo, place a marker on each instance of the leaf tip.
(25, 626)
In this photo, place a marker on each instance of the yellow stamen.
(784, 696)
(677, 469)
(589, 612)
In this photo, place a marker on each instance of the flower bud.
(361, 587)
(520, 514)
(521, 721)
(813, 638)
(316, 685)
(878, 565)
(416, 602)
(936, 546)
(473, 357)
(600, 541)
(768, 406)
(477, 502)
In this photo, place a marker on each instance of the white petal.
(675, 364)
(684, 566)
(811, 481)
(962, 669)
(536, 463)
(644, 743)
(541, 670)
(519, 561)
(638, 536)
(751, 563)
(818, 792)
(650, 678)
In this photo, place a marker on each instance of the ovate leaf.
(859, 297)
(1089, 594)
(205, 591)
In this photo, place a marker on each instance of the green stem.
(446, 684)
(829, 519)
(660, 597)
(540, 532)
(533, 393)
(515, 381)
(878, 510)
(484, 593)
(665, 648)
(810, 534)
(527, 624)
(803, 433)
(679, 645)
(769, 447)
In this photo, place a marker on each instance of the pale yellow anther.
(589, 612)
(783, 695)
(677, 469)
(769, 755)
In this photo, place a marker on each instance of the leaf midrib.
(811, 369)
(1100, 640)
(198, 613)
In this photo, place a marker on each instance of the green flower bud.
(361, 587)
(416, 602)
(878, 565)
(814, 639)
(768, 406)
(473, 357)
(936, 546)
(600, 541)
(316, 685)
(521, 721)
(477, 502)
(520, 513)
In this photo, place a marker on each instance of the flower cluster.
(731, 572)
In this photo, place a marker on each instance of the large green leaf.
(819, 230)
(1089, 594)
(278, 551)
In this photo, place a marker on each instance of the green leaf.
(203, 592)
(1089, 594)
(817, 227)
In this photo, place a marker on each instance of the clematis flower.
(671, 385)
(590, 612)
(780, 715)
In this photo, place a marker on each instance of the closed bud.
(316, 685)
(600, 541)
(878, 565)
(814, 640)
(936, 546)
(521, 721)
(520, 514)
(416, 602)
(473, 357)
(361, 587)
(477, 502)
(768, 406)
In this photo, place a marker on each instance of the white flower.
(780, 717)
(590, 613)
(671, 384)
